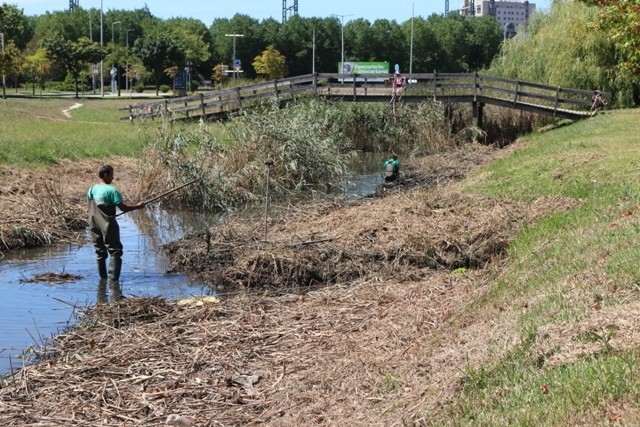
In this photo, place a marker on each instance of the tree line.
(143, 48)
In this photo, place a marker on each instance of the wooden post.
(475, 86)
(555, 107)
(202, 106)
(239, 99)
(315, 84)
(515, 98)
(355, 96)
(435, 85)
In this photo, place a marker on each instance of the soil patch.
(53, 278)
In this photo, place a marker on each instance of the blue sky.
(208, 10)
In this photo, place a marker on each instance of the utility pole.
(342, 40)
(93, 66)
(413, 4)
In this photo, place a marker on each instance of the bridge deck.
(455, 88)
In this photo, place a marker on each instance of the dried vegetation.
(380, 343)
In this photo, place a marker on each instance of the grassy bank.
(39, 131)
(569, 293)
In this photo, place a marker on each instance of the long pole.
(101, 45)
(411, 44)
(342, 41)
(313, 54)
(153, 199)
(268, 164)
(113, 65)
(93, 75)
(4, 83)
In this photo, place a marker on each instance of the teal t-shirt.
(104, 194)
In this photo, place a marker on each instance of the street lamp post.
(126, 67)
(411, 44)
(113, 46)
(93, 66)
(101, 60)
(4, 82)
(342, 40)
(233, 61)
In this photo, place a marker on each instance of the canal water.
(32, 313)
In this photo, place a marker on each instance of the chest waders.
(105, 234)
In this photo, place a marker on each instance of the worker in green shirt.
(391, 169)
(103, 199)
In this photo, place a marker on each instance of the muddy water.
(32, 313)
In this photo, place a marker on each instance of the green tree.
(563, 48)
(10, 60)
(271, 63)
(621, 20)
(15, 25)
(36, 67)
(193, 39)
(158, 51)
(76, 56)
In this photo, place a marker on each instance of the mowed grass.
(34, 131)
(571, 288)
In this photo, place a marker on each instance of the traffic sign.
(237, 64)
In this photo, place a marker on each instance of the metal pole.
(4, 83)
(411, 48)
(233, 61)
(268, 164)
(113, 46)
(313, 63)
(342, 41)
(93, 66)
(101, 45)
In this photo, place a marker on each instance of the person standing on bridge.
(397, 87)
(103, 199)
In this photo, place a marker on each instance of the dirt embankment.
(384, 342)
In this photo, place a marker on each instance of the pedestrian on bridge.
(397, 87)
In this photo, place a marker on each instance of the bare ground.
(374, 328)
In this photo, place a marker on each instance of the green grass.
(37, 132)
(565, 269)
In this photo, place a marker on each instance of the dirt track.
(383, 341)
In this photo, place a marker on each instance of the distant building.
(506, 12)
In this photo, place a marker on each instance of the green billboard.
(363, 68)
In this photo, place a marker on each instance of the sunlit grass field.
(37, 131)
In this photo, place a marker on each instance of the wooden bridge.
(477, 89)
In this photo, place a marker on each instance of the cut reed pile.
(383, 345)
(410, 225)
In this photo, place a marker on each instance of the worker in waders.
(105, 232)
(391, 169)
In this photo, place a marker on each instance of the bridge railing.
(440, 87)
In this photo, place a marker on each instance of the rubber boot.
(102, 268)
(115, 265)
